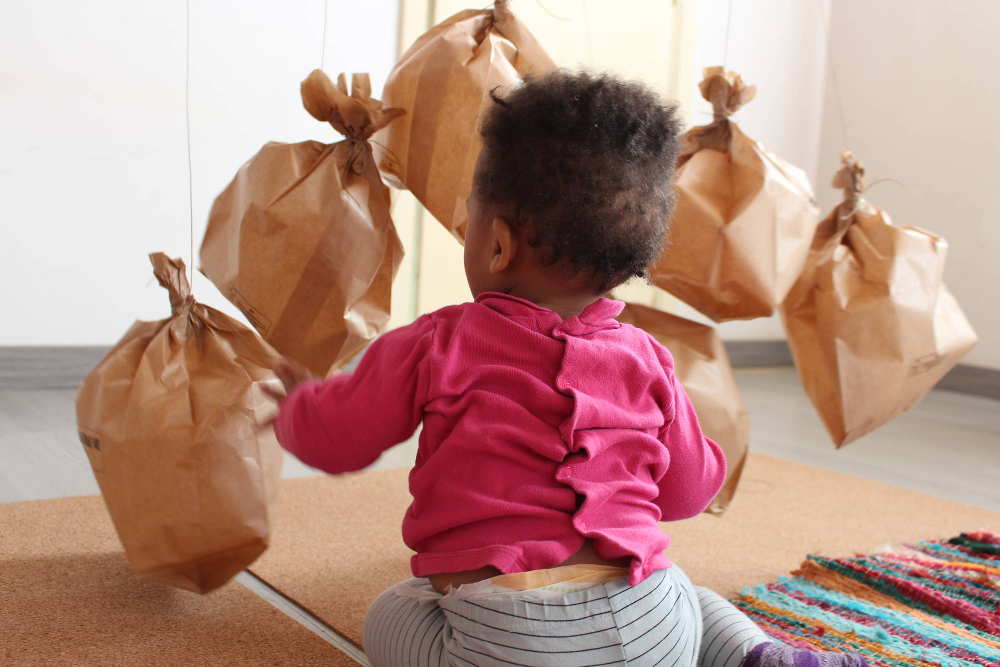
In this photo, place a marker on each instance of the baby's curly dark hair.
(587, 161)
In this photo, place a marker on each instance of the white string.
(552, 13)
(187, 128)
(838, 98)
(322, 57)
(885, 180)
(729, 20)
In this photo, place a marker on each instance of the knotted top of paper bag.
(531, 57)
(851, 179)
(726, 91)
(356, 115)
(171, 274)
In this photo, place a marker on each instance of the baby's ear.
(504, 246)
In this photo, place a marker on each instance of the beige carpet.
(337, 544)
(68, 598)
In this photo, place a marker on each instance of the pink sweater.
(537, 434)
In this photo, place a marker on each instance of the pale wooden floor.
(948, 446)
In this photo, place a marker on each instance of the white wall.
(920, 90)
(94, 168)
(94, 172)
(918, 84)
(93, 127)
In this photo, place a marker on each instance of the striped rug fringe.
(934, 602)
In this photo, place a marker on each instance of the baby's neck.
(558, 288)
(564, 305)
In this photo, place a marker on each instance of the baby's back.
(538, 434)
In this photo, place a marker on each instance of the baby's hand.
(291, 375)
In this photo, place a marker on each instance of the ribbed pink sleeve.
(697, 464)
(345, 422)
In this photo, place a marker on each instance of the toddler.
(555, 439)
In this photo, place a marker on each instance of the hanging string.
(322, 55)
(725, 54)
(885, 180)
(729, 21)
(552, 13)
(832, 65)
(187, 129)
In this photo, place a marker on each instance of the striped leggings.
(663, 620)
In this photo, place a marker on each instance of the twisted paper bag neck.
(355, 114)
(172, 275)
(851, 179)
(726, 91)
(501, 12)
(530, 58)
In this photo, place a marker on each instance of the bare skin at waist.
(587, 555)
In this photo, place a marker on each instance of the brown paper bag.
(169, 422)
(871, 325)
(443, 82)
(744, 218)
(703, 368)
(302, 242)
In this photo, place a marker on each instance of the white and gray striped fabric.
(657, 622)
(727, 633)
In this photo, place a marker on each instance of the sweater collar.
(597, 316)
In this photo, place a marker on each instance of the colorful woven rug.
(934, 602)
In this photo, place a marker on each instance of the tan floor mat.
(337, 543)
(68, 598)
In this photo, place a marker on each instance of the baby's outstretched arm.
(345, 422)
(697, 464)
